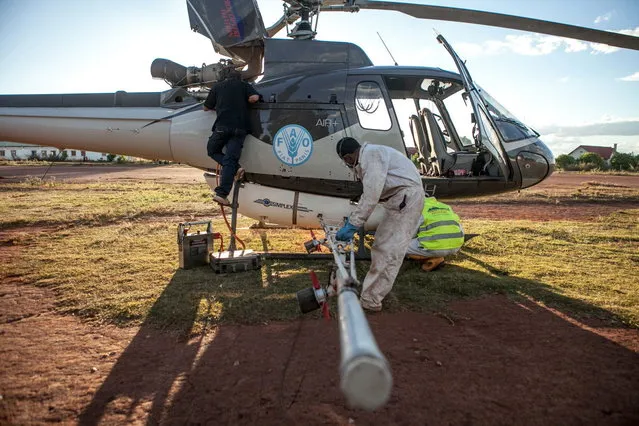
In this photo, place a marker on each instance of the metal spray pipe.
(365, 375)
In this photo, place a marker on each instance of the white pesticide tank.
(285, 207)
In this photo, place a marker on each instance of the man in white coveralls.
(389, 178)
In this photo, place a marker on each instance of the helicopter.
(314, 93)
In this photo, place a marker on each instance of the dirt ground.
(488, 361)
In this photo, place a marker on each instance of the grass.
(47, 203)
(110, 255)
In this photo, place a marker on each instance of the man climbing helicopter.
(389, 178)
(230, 99)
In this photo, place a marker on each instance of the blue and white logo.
(293, 145)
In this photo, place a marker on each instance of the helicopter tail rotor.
(235, 28)
(227, 23)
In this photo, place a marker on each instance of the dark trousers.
(233, 140)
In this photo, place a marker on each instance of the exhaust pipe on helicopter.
(170, 71)
(180, 76)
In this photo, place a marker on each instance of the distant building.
(23, 151)
(604, 152)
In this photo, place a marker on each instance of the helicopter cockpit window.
(460, 112)
(442, 129)
(372, 111)
(508, 126)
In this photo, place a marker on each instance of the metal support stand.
(234, 206)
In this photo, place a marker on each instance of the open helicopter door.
(486, 134)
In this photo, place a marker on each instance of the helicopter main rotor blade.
(442, 13)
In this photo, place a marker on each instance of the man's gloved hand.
(346, 232)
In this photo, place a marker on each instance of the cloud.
(561, 145)
(469, 49)
(529, 45)
(536, 45)
(609, 128)
(602, 48)
(631, 77)
(564, 79)
(605, 17)
(574, 45)
(630, 32)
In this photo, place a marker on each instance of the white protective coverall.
(389, 178)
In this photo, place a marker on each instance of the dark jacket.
(229, 99)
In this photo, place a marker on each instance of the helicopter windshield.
(460, 113)
(509, 127)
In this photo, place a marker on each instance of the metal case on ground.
(194, 248)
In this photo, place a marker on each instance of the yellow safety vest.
(441, 229)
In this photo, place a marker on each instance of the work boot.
(223, 201)
(370, 309)
(432, 263)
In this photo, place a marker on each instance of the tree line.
(592, 161)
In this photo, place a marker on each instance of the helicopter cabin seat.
(447, 163)
(419, 136)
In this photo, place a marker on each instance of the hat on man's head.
(346, 145)
(234, 74)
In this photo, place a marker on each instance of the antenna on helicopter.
(387, 49)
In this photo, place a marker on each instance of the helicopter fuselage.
(290, 154)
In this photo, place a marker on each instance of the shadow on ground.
(489, 360)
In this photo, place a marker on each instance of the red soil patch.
(502, 363)
(539, 212)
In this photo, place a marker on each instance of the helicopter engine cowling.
(180, 76)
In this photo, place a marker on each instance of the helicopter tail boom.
(106, 130)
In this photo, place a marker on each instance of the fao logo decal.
(293, 145)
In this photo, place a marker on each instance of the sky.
(573, 93)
